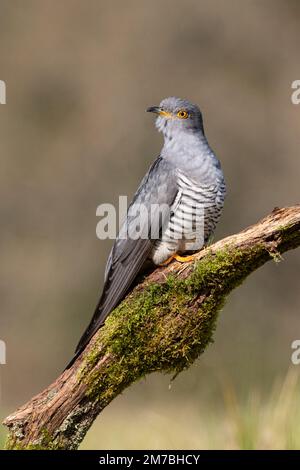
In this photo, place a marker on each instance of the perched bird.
(183, 194)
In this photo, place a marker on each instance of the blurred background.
(74, 134)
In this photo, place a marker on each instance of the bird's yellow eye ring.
(182, 114)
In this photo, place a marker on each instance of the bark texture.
(162, 325)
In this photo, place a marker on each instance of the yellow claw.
(168, 261)
(181, 259)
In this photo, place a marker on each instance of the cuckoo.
(182, 197)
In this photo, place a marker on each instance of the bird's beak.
(154, 109)
(158, 110)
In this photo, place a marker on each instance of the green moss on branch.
(166, 326)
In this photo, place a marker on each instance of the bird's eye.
(182, 114)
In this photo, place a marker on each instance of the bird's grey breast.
(197, 207)
(195, 212)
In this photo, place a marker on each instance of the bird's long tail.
(96, 322)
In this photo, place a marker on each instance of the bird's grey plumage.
(128, 255)
(186, 178)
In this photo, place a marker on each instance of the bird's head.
(176, 116)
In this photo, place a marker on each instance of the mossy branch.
(162, 325)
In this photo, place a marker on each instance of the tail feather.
(119, 280)
(96, 322)
(105, 306)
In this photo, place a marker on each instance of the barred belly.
(193, 218)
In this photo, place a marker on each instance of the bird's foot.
(181, 259)
(168, 261)
(184, 259)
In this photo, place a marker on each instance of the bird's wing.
(156, 192)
